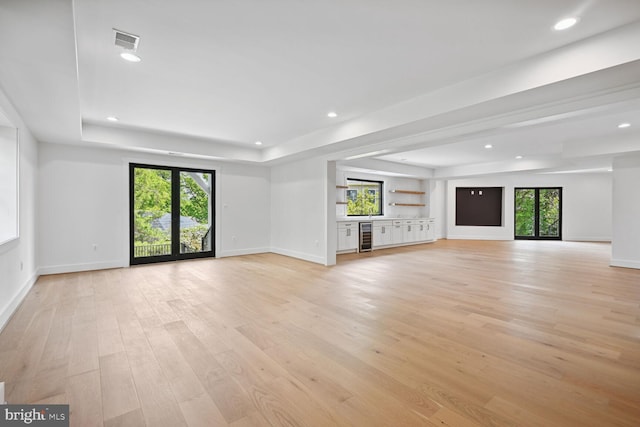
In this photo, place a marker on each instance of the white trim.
(587, 239)
(477, 237)
(238, 252)
(299, 255)
(627, 263)
(74, 268)
(10, 308)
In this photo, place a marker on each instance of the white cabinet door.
(431, 231)
(382, 235)
(353, 238)
(397, 236)
(410, 231)
(423, 228)
(347, 236)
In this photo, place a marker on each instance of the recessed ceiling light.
(624, 125)
(128, 56)
(565, 23)
(332, 114)
(488, 146)
(112, 118)
(258, 142)
(518, 157)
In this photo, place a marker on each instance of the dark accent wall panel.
(479, 206)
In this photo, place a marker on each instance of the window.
(538, 213)
(364, 197)
(171, 213)
(8, 184)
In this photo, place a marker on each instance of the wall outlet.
(21, 266)
(95, 246)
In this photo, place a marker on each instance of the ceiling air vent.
(126, 40)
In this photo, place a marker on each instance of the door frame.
(536, 236)
(175, 215)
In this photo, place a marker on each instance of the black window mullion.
(536, 204)
(175, 212)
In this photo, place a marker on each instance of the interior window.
(364, 197)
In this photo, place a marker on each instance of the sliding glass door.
(171, 213)
(538, 213)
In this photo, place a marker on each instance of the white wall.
(300, 220)
(18, 262)
(625, 248)
(586, 205)
(84, 201)
(244, 213)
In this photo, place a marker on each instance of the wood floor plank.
(200, 411)
(182, 379)
(230, 399)
(119, 395)
(85, 402)
(157, 401)
(134, 418)
(43, 386)
(83, 348)
(25, 363)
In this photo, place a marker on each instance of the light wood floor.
(456, 333)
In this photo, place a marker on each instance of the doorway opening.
(538, 213)
(171, 213)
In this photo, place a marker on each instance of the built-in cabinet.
(382, 233)
(348, 236)
(425, 230)
(398, 232)
(386, 233)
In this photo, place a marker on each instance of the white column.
(625, 245)
(330, 231)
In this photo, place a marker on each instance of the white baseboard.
(238, 252)
(73, 268)
(12, 305)
(586, 239)
(476, 237)
(625, 263)
(299, 255)
(565, 238)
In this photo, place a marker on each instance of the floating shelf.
(407, 204)
(342, 186)
(406, 192)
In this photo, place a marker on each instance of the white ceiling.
(544, 139)
(423, 80)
